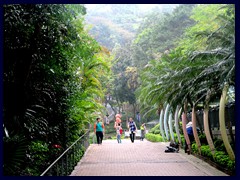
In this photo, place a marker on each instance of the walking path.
(141, 158)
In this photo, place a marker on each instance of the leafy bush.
(182, 138)
(154, 129)
(38, 157)
(231, 165)
(219, 145)
(194, 148)
(176, 138)
(203, 139)
(206, 151)
(221, 158)
(79, 154)
(154, 137)
(180, 127)
(157, 131)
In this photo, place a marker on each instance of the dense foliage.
(56, 75)
(156, 35)
(52, 83)
(117, 24)
(202, 61)
(116, 28)
(170, 53)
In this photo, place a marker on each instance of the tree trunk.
(194, 125)
(134, 110)
(115, 112)
(170, 126)
(161, 124)
(207, 129)
(184, 122)
(222, 123)
(229, 123)
(206, 123)
(165, 121)
(177, 125)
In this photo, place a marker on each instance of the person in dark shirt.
(132, 129)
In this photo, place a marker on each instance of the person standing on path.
(143, 131)
(99, 131)
(118, 130)
(132, 129)
(190, 135)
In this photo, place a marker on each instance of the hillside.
(117, 24)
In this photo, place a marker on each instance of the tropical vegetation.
(53, 79)
(63, 65)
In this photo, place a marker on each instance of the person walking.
(132, 129)
(99, 130)
(143, 131)
(119, 132)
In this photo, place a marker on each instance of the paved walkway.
(141, 158)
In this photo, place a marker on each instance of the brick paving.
(141, 158)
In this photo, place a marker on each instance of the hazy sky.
(140, 5)
(144, 7)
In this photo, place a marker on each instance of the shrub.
(206, 151)
(182, 139)
(38, 156)
(231, 165)
(157, 131)
(203, 139)
(194, 148)
(157, 127)
(219, 145)
(180, 128)
(176, 138)
(221, 158)
(154, 137)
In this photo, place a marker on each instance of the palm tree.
(221, 74)
(186, 75)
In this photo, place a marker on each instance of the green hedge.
(155, 129)
(154, 137)
(220, 157)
